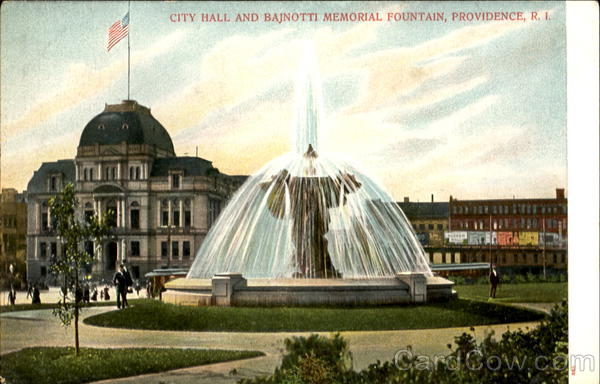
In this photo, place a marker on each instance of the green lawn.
(516, 293)
(156, 315)
(28, 307)
(53, 365)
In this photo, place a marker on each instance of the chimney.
(406, 199)
(560, 193)
(432, 197)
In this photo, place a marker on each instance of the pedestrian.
(95, 294)
(120, 282)
(137, 287)
(86, 294)
(35, 297)
(29, 289)
(12, 296)
(106, 294)
(494, 280)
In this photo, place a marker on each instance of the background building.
(162, 205)
(13, 232)
(523, 235)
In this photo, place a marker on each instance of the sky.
(472, 109)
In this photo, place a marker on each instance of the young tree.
(73, 232)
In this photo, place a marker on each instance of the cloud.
(82, 83)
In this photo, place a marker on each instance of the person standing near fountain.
(494, 280)
(121, 287)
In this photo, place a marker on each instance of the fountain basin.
(232, 289)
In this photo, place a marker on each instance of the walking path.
(40, 328)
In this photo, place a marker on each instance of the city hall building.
(162, 205)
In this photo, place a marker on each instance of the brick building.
(520, 234)
(13, 232)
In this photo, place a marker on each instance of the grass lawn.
(54, 365)
(516, 293)
(156, 315)
(28, 307)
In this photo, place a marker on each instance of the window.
(53, 249)
(175, 249)
(43, 271)
(554, 258)
(430, 226)
(134, 216)
(85, 174)
(88, 214)
(186, 249)
(106, 173)
(422, 226)
(440, 227)
(176, 218)
(165, 218)
(88, 246)
(135, 248)
(91, 173)
(187, 218)
(175, 180)
(44, 220)
(111, 209)
(43, 250)
(214, 208)
(131, 173)
(53, 184)
(137, 173)
(114, 173)
(164, 250)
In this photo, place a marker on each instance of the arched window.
(137, 173)
(134, 215)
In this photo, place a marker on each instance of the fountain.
(309, 228)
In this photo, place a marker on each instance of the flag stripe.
(118, 31)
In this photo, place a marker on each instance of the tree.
(73, 232)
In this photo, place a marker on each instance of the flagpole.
(128, 48)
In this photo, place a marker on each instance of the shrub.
(520, 279)
(513, 356)
(531, 278)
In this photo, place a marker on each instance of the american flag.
(118, 31)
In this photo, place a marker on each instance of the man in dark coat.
(121, 287)
(494, 280)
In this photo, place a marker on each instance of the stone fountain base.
(232, 289)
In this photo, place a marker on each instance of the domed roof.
(127, 122)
